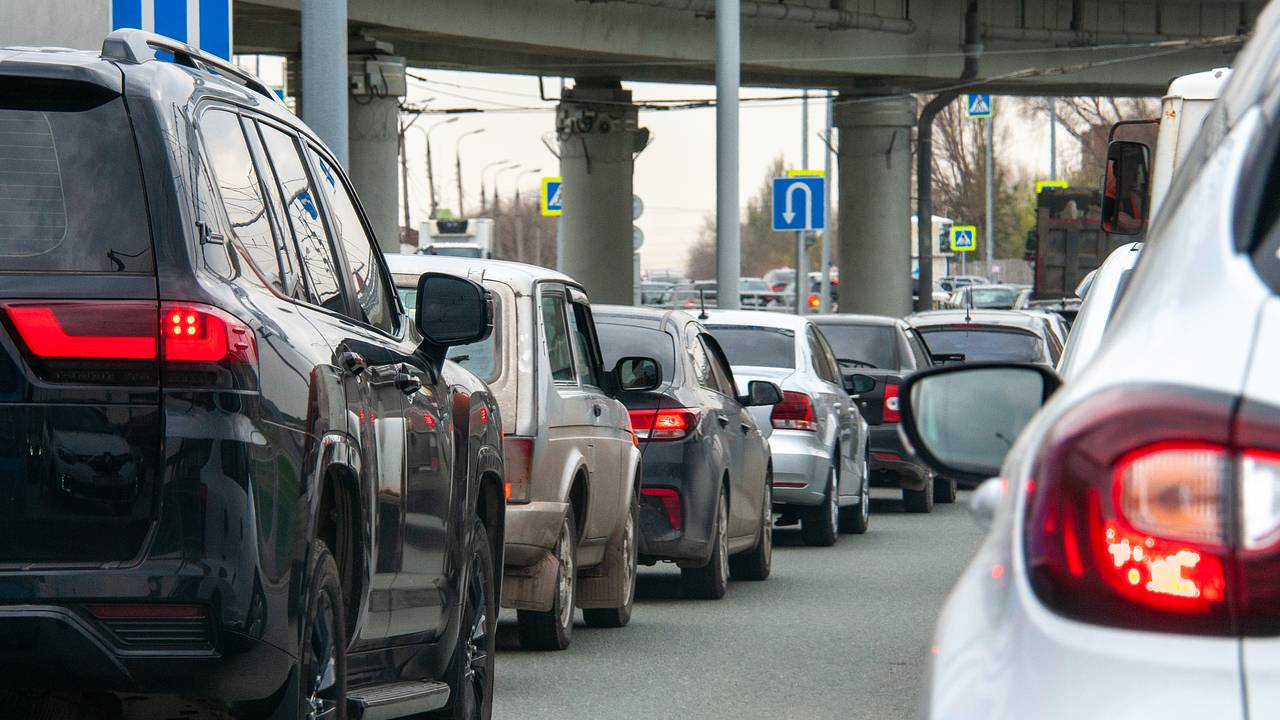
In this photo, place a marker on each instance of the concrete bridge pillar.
(875, 204)
(374, 139)
(599, 135)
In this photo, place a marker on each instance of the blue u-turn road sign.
(799, 203)
(205, 24)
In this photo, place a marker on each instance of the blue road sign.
(205, 24)
(979, 106)
(964, 238)
(799, 203)
(551, 203)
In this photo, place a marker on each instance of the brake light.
(204, 347)
(814, 301)
(518, 462)
(890, 413)
(795, 412)
(663, 424)
(670, 500)
(86, 330)
(1148, 513)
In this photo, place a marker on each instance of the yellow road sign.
(1042, 184)
(806, 173)
(550, 200)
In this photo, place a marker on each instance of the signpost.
(964, 239)
(550, 197)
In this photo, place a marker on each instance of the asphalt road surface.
(838, 633)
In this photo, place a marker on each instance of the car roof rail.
(130, 45)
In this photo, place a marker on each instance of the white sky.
(674, 176)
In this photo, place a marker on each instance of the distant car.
(819, 441)
(1105, 287)
(692, 297)
(655, 293)
(987, 297)
(705, 501)
(986, 336)
(756, 293)
(951, 283)
(571, 459)
(875, 355)
(779, 278)
(675, 277)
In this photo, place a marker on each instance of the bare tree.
(521, 233)
(1088, 120)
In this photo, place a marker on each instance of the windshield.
(481, 357)
(753, 285)
(619, 339)
(996, 298)
(984, 344)
(758, 346)
(869, 345)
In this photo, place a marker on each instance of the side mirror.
(858, 383)
(452, 311)
(962, 420)
(637, 374)
(946, 358)
(761, 392)
(1126, 193)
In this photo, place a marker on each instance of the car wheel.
(628, 547)
(711, 581)
(552, 629)
(855, 519)
(819, 527)
(757, 563)
(944, 489)
(323, 668)
(470, 673)
(919, 501)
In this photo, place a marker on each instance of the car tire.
(918, 501)
(470, 673)
(322, 670)
(711, 581)
(629, 547)
(818, 528)
(855, 520)
(944, 489)
(552, 629)
(757, 563)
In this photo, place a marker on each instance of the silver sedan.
(819, 440)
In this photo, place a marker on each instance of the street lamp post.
(484, 198)
(497, 201)
(521, 253)
(530, 171)
(431, 176)
(457, 155)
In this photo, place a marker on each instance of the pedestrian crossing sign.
(964, 238)
(979, 106)
(550, 201)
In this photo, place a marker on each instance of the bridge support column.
(875, 204)
(374, 140)
(599, 137)
(324, 80)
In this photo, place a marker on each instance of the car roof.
(851, 319)
(1006, 318)
(516, 274)
(756, 318)
(650, 316)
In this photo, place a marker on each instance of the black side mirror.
(858, 383)
(452, 311)
(760, 393)
(962, 420)
(946, 358)
(637, 374)
(1126, 189)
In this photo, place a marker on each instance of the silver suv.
(572, 465)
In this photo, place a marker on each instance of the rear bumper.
(687, 469)
(531, 531)
(800, 468)
(891, 464)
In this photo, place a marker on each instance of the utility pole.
(824, 300)
(404, 185)
(484, 198)
(802, 237)
(457, 157)
(497, 201)
(728, 75)
(1053, 139)
(991, 217)
(431, 175)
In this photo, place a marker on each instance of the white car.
(819, 440)
(1133, 565)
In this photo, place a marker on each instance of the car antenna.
(968, 304)
(702, 302)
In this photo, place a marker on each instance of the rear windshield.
(481, 358)
(619, 340)
(71, 196)
(994, 298)
(983, 344)
(758, 346)
(867, 345)
(467, 252)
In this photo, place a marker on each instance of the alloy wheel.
(322, 680)
(476, 675)
(564, 589)
(722, 541)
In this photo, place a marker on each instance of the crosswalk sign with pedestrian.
(979, 106)
(550, 200)
(964, 238)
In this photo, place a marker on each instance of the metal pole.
(825, 266)
(404, 186)
(1053, 139)
(324, 73)
(559, 225)
(497, 176)
(728, 57)
(457, 158)
(991, 215)
(802, 237)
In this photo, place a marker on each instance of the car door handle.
(724, 421)
(407, 381)
(745, 428)
(352, 362)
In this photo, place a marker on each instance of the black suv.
(236, 480)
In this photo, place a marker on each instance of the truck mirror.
(1126, 193)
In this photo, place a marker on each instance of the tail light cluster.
(664, 423)
(795, 412)
(125, 342)
(1152, 510)
(890, 412)
(518, 464)
(815, 302)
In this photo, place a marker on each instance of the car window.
(556, 333)
(918, 350)
(980, 344)
(828, 357)
(368, 283)
(286, 251)
(701, 363)
(584, 353)
(756, 346)
(866, 345)
(721, 375)
(308, 231)
(619, 339)
(242, 194)
(818, 357)
(483, 358)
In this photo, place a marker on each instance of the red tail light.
(518, 463)
(890, 413)
(1147, 513)
(814, 301)
(670, 500)
(664, 424)
(795, 412)
(86, 330)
